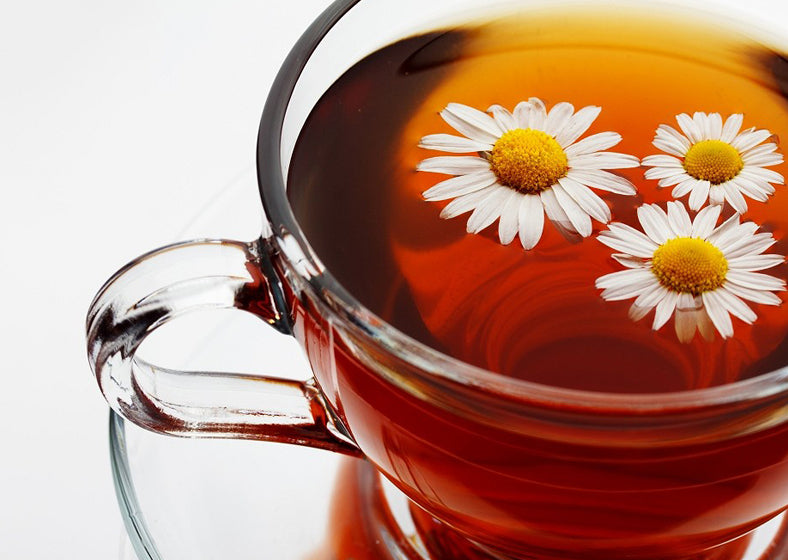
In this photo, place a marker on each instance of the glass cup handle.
(172, 281)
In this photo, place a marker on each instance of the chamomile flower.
(694, 270)
(715, 161)
(527, 164)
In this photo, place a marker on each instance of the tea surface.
(534, 314)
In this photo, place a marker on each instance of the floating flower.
(529, 163)
(700, 272)
(715, 161)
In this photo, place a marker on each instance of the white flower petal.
(734, 197)
(655, 223)
(646, 301)
(453, 144)
(755, 262)
(727, 228)
(509, 224)
(466, 203)
(604, 160)
(735, 306)
(623, 278)
(594, 143)
(699, 194)
(651, 297)
(627, 291)
(555, 213)
(676, 138)
(675, 180)
(586, 199)
(629, 261)
(737, 237)
(688, 315)
(531, 220)
(462, 185)
(488, 210)
(629, 233)
(755, 280)
(689, 128)
(762, 184)
(748, 246)
(662, 161)
(757, 296)
(679, 219)
(764, 174)
(687, 302)
(531, 115)
(625, 245)
(503, 118)
(558, 118)
(538, 113)
(625, 284)
(603, 180)
(763, 160)
(453, 165)
(705, 326)
(716, 195)
(577, 125)
(581, 221)
(747, 140)
(686, 186)
(701, 121)
(761, 150)
(714, 126)
(705, 221)
(670, 146)
(663, 173)
(471, 122)
(626, 239)
(750, 188)
(731, 127)
(665, 309)
(718, 314)
(522, 114)
(636, 313)
(686, 324)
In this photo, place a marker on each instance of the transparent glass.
(170, 494)
(513, 468)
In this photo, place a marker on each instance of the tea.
(364, 525)
(528, 477)
(535, 314)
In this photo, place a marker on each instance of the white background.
(119, 122)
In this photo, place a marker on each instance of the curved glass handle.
(175, 280)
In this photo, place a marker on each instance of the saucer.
(210, 499)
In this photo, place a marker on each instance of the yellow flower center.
(528, 160)
(713, 160)
(689, 265)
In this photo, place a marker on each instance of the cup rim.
(435, 364)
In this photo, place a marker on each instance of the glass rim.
(437, 365)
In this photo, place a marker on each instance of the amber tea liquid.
(536, 315)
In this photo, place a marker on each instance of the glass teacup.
(516, 468)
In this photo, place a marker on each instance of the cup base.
(373, 520)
